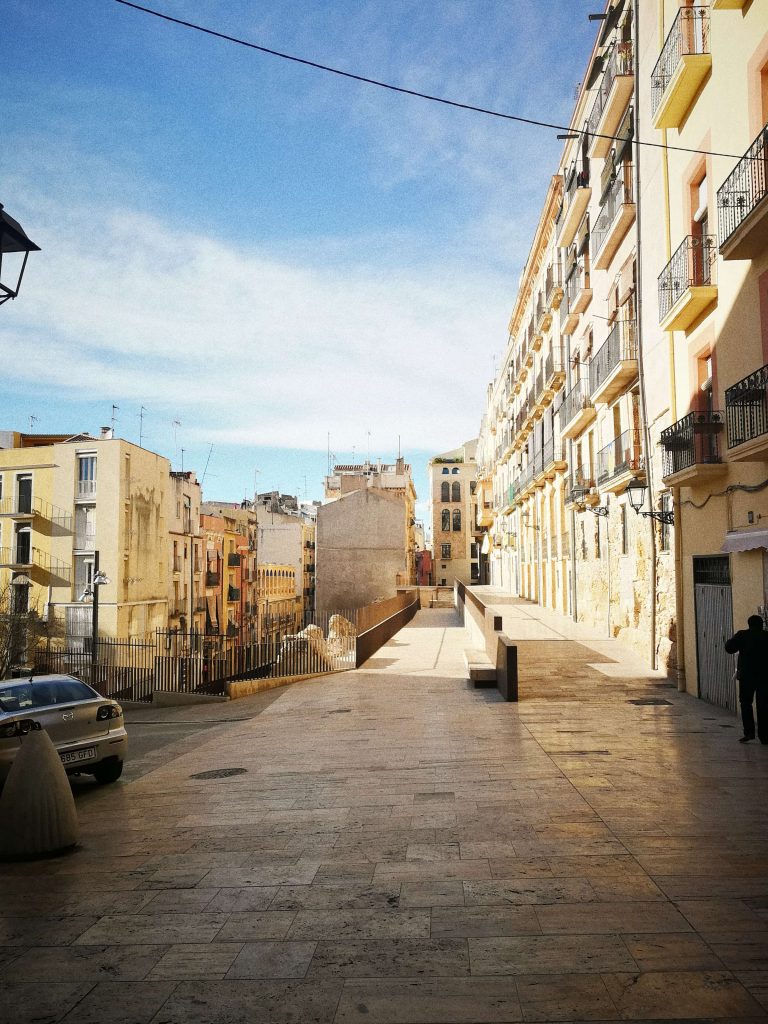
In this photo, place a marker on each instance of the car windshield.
(21, 696)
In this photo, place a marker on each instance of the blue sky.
(263, 253)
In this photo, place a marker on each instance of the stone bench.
(480, 671)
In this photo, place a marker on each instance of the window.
(455, 470)
(473, 549)
(455, 491)
(445, 550)
(24, 492)
(457, 519)
(445, 471)
(472, 486)
(86, 476)
(445, 520)
(445, 491)
(442, 582)
(624, 531)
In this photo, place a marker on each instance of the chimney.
(106, 433)
(400, 466)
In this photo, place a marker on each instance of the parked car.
(87, 729)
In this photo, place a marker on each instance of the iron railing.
(619, 194)
(624, 453)
(31, 505)
(620, 62)
(576, 178)
(85, 540)
(552, 452)
(746, 408)
(619, 346)
(86, 489)
(552, 282)
(689, 35)
(692, 266)
(554, 365)
(694, 440)
(576, 400)
(744, 188)
(233, 559)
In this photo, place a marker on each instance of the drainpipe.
(645, 427)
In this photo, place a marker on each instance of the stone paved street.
(402, 848)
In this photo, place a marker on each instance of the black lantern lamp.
(14, 244)
(636, 493)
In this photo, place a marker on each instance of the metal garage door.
(714, 624)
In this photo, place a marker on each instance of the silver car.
(87, 729)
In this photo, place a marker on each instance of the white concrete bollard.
(37, 808)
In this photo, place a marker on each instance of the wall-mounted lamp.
(636, 494)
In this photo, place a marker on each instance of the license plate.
(73, 756)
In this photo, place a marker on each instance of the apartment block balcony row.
(24, 556)
(684, 62)
(742, 204)
(687, 285)
(613, 93)
(26, 506)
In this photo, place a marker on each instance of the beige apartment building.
(186, 586)
(623, 452)
(68, 501)
(232, 554)
(287, 536)
(279, 608)
(455, 544)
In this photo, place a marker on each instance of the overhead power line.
(411, 92)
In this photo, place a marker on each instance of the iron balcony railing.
(576, 178)
(212, 579)
(692, 441)
(689, 35)
(552, 452)
(554, 364)
(86, 489)
(619, 193)
(85, 540)
(744, 188)
(692, 266)
(552, 282)
(620, 62)
(233, 594)
(746, 408)
(623, 454)
(233, 559)
(31, 505)
(579, 485)
(24, 555)
(576, 400)
(620, 345)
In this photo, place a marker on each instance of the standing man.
(751, 645)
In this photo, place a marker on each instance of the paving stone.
(483, 921)
(549, 954)
(23, 1002)
(319, 924)
(427, 1001)
(84, 963)
(407, 958)
(123, 1002)
(692, 994)
(191, 960)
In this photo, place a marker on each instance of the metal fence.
(689, 35)
(746, 406)
(744, 188)
(692, 266)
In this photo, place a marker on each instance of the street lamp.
(91, 590)
(13, 241)
(636, 493)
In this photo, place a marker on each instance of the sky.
(262, 256)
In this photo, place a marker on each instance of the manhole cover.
(219, 773)
(646, 701)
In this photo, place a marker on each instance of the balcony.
(620, 461)
(742, 205)
(85, 540)
(746, 410)
(578, 295)
(684, 63)
(543, 321)
(177, 563)
(577, 195)
(692, 448)
(212, 579)
(577, 410)
(554, 370)
(233, 595)
(687, 285)
(25, 556)
(581, 488)
(25, 506)
(553, 458)
(614, 365)
(85, 489)
(613, 94)
(617, 213)
(233, 560)
(553, 286)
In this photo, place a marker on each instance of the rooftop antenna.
(206, 465)
(114, 418)
(256, 472)
(353, 455)
(182, 460)
(329, 453)
(305, 487)
(398, 447)
(368, 451)
(176, 424)
(32, 421)
(141, 425)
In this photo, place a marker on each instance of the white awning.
(486, 545)
(745, 540)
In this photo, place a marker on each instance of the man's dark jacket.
(751, 645)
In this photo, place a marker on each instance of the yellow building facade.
(280, 610)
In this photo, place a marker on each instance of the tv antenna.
(176, 424)
(141, 425)
(32, 421)
(210, 450)
(115, 408)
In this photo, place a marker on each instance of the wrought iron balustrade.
(744, 188)
(688, 35)
(619, 346)
(623, 454)
(746, 408)
(554, 364)
(576, 400)
(619, 62)
(692, 266)
(620, 192)
(694, 440)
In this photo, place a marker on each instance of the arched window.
(455, 491)
(445, 471)
(455, 470)
(457, 519)
(445, 491)
(445, 518)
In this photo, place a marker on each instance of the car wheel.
(108, 771)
